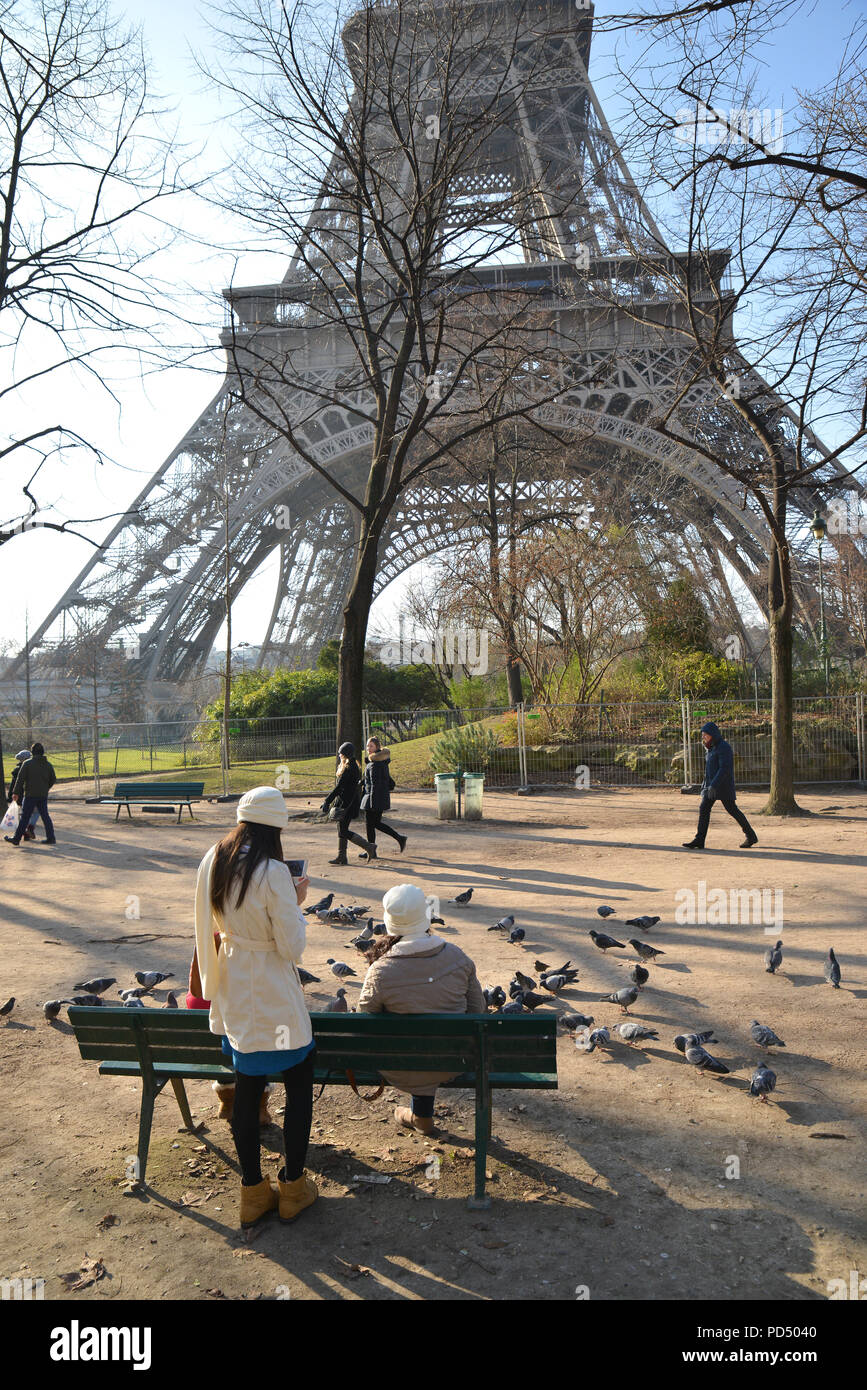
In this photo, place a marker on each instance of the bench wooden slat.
(523, 1080)
(124, 790)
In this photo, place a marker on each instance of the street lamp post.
(819, 528)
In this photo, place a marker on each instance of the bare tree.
(84, 170)
(769, 311)
(376, 152)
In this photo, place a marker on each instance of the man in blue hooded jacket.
(719, 785)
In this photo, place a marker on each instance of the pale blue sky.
(156, 414)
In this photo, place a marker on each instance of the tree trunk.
(513, 674)
(356, 614)
(781, 801)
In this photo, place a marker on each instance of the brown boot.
(295, 1196)
(404, 1116)
(226, 1096)
(256, 1202)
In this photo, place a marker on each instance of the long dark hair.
(231, 862)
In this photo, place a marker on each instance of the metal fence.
(604, 743)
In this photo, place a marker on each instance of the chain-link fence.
(604, 743)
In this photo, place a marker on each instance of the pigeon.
(96, 986)
(561, 969)
(639, 976)
(338, 968)
(171, 1001)
(567, 976)
(623, 997)
(762, 1082)
(598, 1038)
(322, 906)
(365, 935)
(126, 994)
(133, 1004)
(516, 934)
(324, 916)
(831, 970)
(514, 989)
(495, 997)
(554, 983)
(51, 1008)
(645, 923)
(525, 981)
(516, 1007)
(572, 1022)
(531, 1000)
(683, 1038)
(642, 949)
(7, 1007)
(697, 1057)
(380, 929)
(338, 1004)
(463, 898)
(636, 1032)
(605, 943)
(306, 978)
(774, 958)
(437, 921)
(151, 978)
(540, 966)
(86, 1001)
(764, 1036)
(606, 911)
(504, 924)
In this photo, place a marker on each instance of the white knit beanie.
(405, 912)
(263, 806)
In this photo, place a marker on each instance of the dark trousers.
(374, 822)
(706, 806)
(28, 806)
(296, 1121)
(423, 1106)
(345, 834)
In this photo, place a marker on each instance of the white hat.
(405, 911)
(23, 756)
(263, 806)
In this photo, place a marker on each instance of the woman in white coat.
(245, 892)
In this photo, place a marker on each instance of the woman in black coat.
(378, 785)
(346, 798)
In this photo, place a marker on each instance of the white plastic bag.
(10, 820)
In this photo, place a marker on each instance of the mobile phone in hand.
(297, 868)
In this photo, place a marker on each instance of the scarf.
(416, 946)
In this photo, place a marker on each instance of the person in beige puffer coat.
(418, 974)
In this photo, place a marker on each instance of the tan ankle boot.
(257, 1201)
(226, 1096)
(295, 1196)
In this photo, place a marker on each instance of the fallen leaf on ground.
(108, 1220)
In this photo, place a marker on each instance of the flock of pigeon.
(523, 995)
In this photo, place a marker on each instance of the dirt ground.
(637, 1179)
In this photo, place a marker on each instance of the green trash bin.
(474, 783)
(446, 802)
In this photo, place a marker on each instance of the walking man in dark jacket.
(719, 785)
(33, 783)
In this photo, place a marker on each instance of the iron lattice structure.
(160, 576)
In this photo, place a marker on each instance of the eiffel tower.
(158, 580)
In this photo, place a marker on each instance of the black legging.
(344, 834)
(297, 1117)
(374, 822)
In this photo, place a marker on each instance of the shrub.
(470, 747)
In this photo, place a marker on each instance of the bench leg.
(117, 812)
(128, 810)
(183, 1103)
(479, 1201)
(190, 809)
(146, 1116)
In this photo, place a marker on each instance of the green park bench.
(485, 1051)
(157, 794)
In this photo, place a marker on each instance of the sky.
(153, 415)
